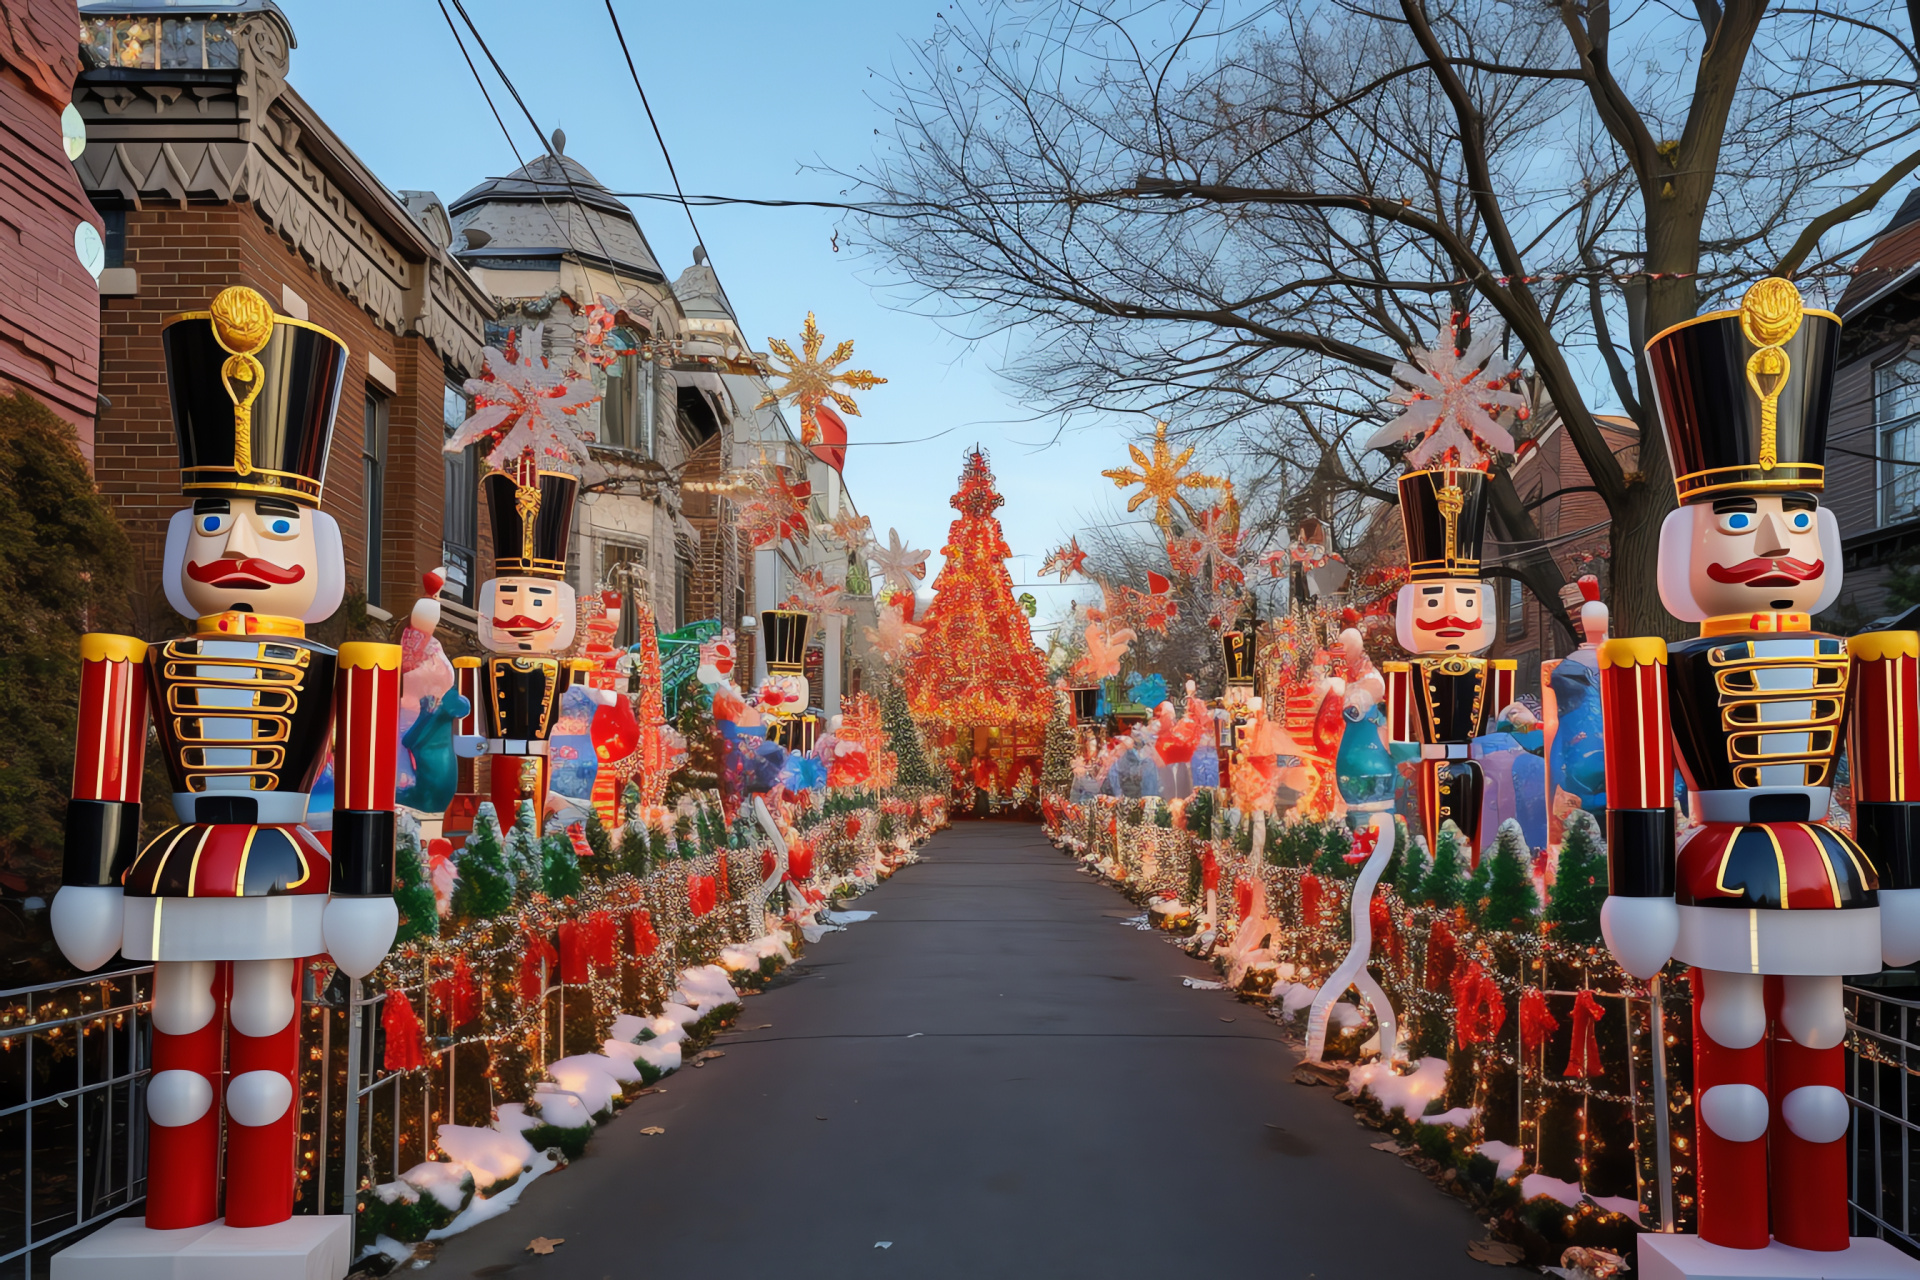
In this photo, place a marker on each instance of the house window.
(172, 44)
(682, 586)
(373, 473)
(623, 567)
(1516, 608)
(626, 411)
(114, 233)
(459, 521)
(1896, 396)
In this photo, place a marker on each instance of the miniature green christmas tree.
(1410, 873)
(559, 866)
(486, 884)
(523, 849)
(1445, 886)
(1512, 902)
(1475, 897)
(695, 723)
(1579, 882)
(903, 739)
(634, 855)
(413, 892)
(1056, 764)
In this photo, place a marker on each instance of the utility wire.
(546, 145)
(657, 135)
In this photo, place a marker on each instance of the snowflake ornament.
(523, 406)
(851, 530)
(895, 637)
(900, 566)
(777, 509)
(1065, 560)
(597, 346)
(809, 381)
(1106, 644)
(1449, 400)
(1163, 478)
(814, 594)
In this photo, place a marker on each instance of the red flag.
(1157, 585)
(831, 447)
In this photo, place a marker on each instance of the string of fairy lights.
(1142, 844)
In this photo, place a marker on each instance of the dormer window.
(163, 44)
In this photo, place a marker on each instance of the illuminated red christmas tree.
(977, 663)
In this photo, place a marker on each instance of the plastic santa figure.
(1447, 696)
(1768, 903)
(230, 900)
(529, 615)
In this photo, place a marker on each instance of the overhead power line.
(657, 135)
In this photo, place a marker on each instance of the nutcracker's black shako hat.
(1444, 512)
(531, 516)
(784, 634)
(254, 396)
(1743, 396)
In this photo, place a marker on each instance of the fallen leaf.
(819, 1117)
(883, 1244)
(714, 1053)
(765, 1026)
(1226, 1019)
(540, 1244)
(1391, 1148)
(652, 1129)
(1495, 1252)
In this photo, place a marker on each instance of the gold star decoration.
(808, 381)
(1161, 478)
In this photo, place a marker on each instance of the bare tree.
(1249, 215)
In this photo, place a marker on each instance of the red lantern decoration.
(406, 1049)
(645, 940)
(573, 953)
(1536, 1024)
(1479, 1010)
(1584, 1061)
(1440, 955)
(1310, 894)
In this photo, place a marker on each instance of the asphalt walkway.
(993, 1077)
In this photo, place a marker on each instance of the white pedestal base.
(301, 1248)
(1676, 1257)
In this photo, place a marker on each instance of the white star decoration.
(521, 404)
(1449, 400)
(901, 566)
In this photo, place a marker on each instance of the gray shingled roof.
(548, 208)
(701, 296)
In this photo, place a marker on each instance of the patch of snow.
(1298, 997)
(1408, 1094)
(849, 917)
(1539, 1184)
(390, 1247)
(444, 1180)
(815, 932)
(1203, 984)
(1459, 1117)
(705, 987)
(672, 1022)
(397, 1190)
(1506, 1158)
(513, 1117)
(662, 1055)
(1618, 1204)
(488, 1154)
(627, 1028)
(1346, 1015)
(565, 1108)
(593, 1077)
(483, 1210)
(623, 1054)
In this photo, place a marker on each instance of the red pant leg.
(1809, 1178)
(1732, 1176)
(183, 1160)
(261, 1151)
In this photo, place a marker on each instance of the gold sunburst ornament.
(1770, 315)
(1161, 478)
(242, 325)
(808, 381)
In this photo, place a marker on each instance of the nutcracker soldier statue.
(1446, 696)
(229, 901)
(530, 616)
(1766, 903)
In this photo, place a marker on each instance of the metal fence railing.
(74, 1058)
(1883, 1024)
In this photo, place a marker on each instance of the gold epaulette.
(460, 664)
(98, 646)
(1883, 646)
(1633, 651)
(365, 654)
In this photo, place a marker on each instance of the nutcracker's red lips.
(249, 574)
(1765, 571)
(519, 624)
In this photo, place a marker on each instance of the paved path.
(998, 1078)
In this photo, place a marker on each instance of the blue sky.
(746, 96)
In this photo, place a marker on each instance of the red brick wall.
(184, 256)
(49, 336)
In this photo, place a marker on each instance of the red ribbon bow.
(1584, 1061)
(406, 1048)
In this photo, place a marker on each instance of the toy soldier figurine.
(1446, 697)
(1768, 903)
(530, 616)
(229, 901)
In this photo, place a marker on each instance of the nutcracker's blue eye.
(1737, 521)
(1801, 521)
(281, 526)
(212, 523)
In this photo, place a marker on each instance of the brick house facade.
(213, 176)
(49, 303)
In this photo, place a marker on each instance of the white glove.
(87, 920)
(469, 745)
(1641, 932)
(359, 932)
(1899, 926)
